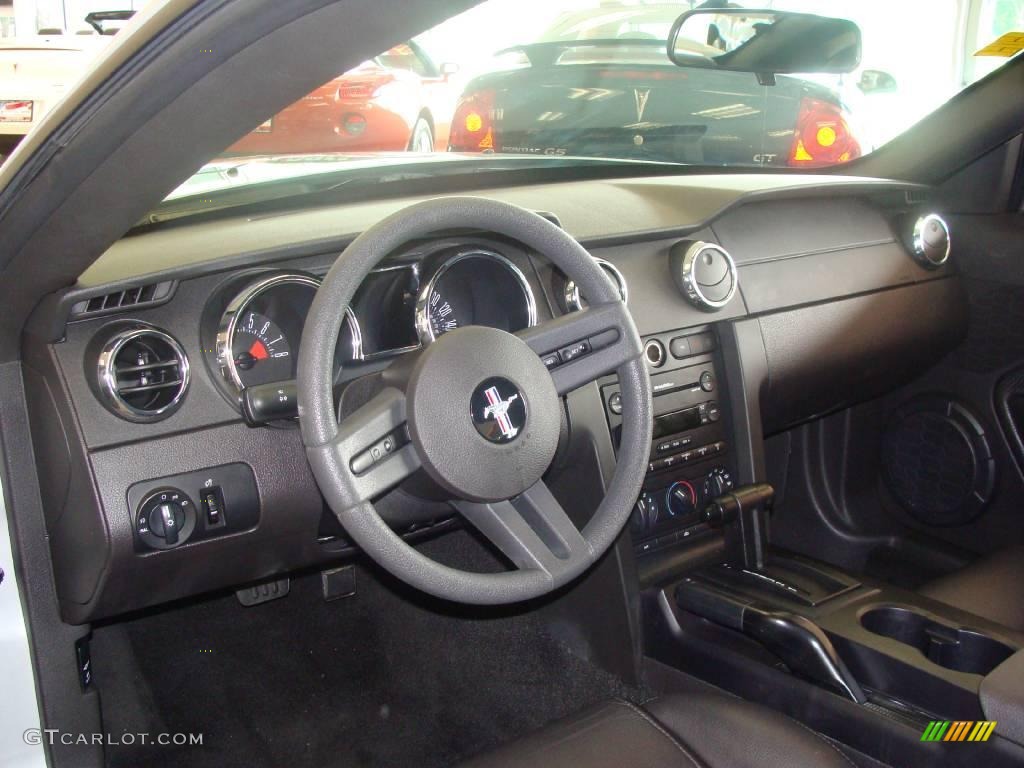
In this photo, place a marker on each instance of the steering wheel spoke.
(532, 530)
(590, 343)
(373, 443)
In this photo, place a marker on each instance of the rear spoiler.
(547, 54)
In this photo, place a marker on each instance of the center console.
(719, 603)
(690, 461)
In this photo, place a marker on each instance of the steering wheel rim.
(531, 527)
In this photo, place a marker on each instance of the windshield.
(590, 81)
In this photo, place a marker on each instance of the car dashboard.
(163, 382)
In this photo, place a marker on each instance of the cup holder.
(963, 650)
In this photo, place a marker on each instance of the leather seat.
(991, 587)
(693, 731)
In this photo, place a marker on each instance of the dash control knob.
(717, 482)
(165, 519)
(681, 499)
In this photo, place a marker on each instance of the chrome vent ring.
(142, 374)
(573, 299)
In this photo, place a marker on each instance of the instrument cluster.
(253, 326)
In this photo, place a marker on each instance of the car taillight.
(822, 137)
(473, 126)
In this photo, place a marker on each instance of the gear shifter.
(745, 512)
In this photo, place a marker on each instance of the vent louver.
(114, 301)
(143, 374)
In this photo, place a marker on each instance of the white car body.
(35, 73)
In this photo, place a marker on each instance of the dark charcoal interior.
(772, 521)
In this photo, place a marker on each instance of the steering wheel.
(478, 411)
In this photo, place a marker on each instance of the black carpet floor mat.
(383, 678)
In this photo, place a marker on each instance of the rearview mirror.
(764, 42)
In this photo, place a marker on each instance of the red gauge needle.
(258, 351)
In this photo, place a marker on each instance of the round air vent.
(930, 241)
(573, 300)
(142, 374)
(705, 273)
(937, 463)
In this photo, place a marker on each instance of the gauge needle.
(258, 351)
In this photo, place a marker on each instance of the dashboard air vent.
(930, 242)
(136, 296)
(143, 374)
(705, 274)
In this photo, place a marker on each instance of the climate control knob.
(717, 482)
(681, 499)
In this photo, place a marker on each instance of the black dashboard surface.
(830, 245)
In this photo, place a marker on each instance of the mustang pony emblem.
(498, 410)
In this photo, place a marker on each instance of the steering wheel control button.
(615, 403)
(165, 519)
(552, 360)
(570, 353)
(499, 409)
(379, 451)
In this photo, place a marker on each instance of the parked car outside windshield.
(591, 79)
(575, 81)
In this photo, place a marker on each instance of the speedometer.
(474, 287)
(440, 314)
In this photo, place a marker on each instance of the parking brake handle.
(799, 642)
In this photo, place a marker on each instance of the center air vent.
(705, 274)
(142, 374)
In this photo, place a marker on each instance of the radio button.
(713, 412)
(679, 347)
(707, 381)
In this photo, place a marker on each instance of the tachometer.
(260, 330)
(474, 287)
(260, 350)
